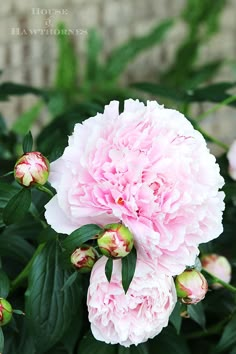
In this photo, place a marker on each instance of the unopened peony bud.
(116, 241)
(83, 258)
(31, 169)
(191, 286)
(231, 155)
(218, 266)
(5, 312)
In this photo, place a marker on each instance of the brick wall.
(30, 58)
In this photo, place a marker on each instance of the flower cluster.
(150, 170)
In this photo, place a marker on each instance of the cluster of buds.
(5, 312)
(116, 241)
(191, 285)
(31, 169)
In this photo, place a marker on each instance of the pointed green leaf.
(140, 349)
(25, 120)
(17, 207)
(19, 312)
(168, 341)
(228, 338)
(197, 314)
(175, 317)
(49, 310)
(27, 143)
(89, 345)
(94, 45)
(109, 268)
(72, 278)
(1, 341)
(122, 55)
(80, 236)
(4, 284)
(128, 269)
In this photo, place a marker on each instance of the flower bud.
(116, 241)
(83, 258)
(191, 286)
(231, 155)
(218, 266)
(5, 312)
(31, 169)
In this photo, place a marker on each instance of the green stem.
(25, 272)
(45, 189)
(217, 280)
(227, 101)
(217, 328)
(213, 139)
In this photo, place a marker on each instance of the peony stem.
(214, 109)
(213, 139)
(218, 280)
(25, 272)
(45, 189)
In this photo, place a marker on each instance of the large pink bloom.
(136, 316)
(147, 167)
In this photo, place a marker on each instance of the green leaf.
(197, 314)
(168, 341)
(94, 46)
(90, 345)
(212, 93)
(49, 310)
(27, 143)
(25, 121)
(70, 338)
(16, 248)
(140, 349)
(160, 90)
(17, 207)
(66, 71)
(47, 234)
(72, 278)
(109, 268)
(228, 338)
(123, 55)
(1, 341)
(175, 317)
(12, 89)
(128, 269)
(4, 284)
(80, 236)
(18, 312)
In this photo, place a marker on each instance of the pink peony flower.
(232, 160)
(148, 168)
(136, 316)
(217, 265)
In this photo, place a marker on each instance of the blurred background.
(97, 50)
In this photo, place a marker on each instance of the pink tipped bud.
(191, 286)
(116, 241)
(31, 169)
(231, 155)
(5, 312)
(83, 258)
(218, 266)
